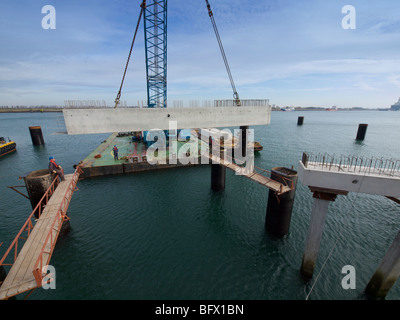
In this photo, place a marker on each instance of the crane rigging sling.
(210, 13)
(143, 6)
(235, 94)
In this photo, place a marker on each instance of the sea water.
(166, 235)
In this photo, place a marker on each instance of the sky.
(294, 53)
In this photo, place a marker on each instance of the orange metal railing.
(29, 224)
(51, 239)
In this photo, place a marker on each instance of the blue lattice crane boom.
(155, 25)
(155, 31)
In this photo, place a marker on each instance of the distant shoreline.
(41, 110)
(20, 110)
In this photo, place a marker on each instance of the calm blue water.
(166, 235)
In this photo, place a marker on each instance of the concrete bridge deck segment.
(327, 178)
(109, 120)
(361, 179)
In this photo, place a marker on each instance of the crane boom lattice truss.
(155, 30)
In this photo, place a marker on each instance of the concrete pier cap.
(328, 177)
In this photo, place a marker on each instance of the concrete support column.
(387, 273)
(315, 229)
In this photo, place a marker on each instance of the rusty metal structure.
(28, 253)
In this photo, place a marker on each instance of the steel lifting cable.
(336, 242)
(235, 94)
(143, 6)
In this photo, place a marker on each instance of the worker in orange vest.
(55, 168)
(115, 150)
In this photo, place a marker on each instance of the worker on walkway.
(115, 150)
(55, 168)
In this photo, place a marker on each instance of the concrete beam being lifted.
(89, 121)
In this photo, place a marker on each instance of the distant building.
(396, 106)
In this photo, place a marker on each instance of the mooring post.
(300, 120)
(387, 273)
(36, 183)
(315, 229)
(362, 130)
(279, 208)
(36, 135)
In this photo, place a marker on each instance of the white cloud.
(272, 47)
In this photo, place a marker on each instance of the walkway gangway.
(276, 186)
(235, 164)
(40, 235)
